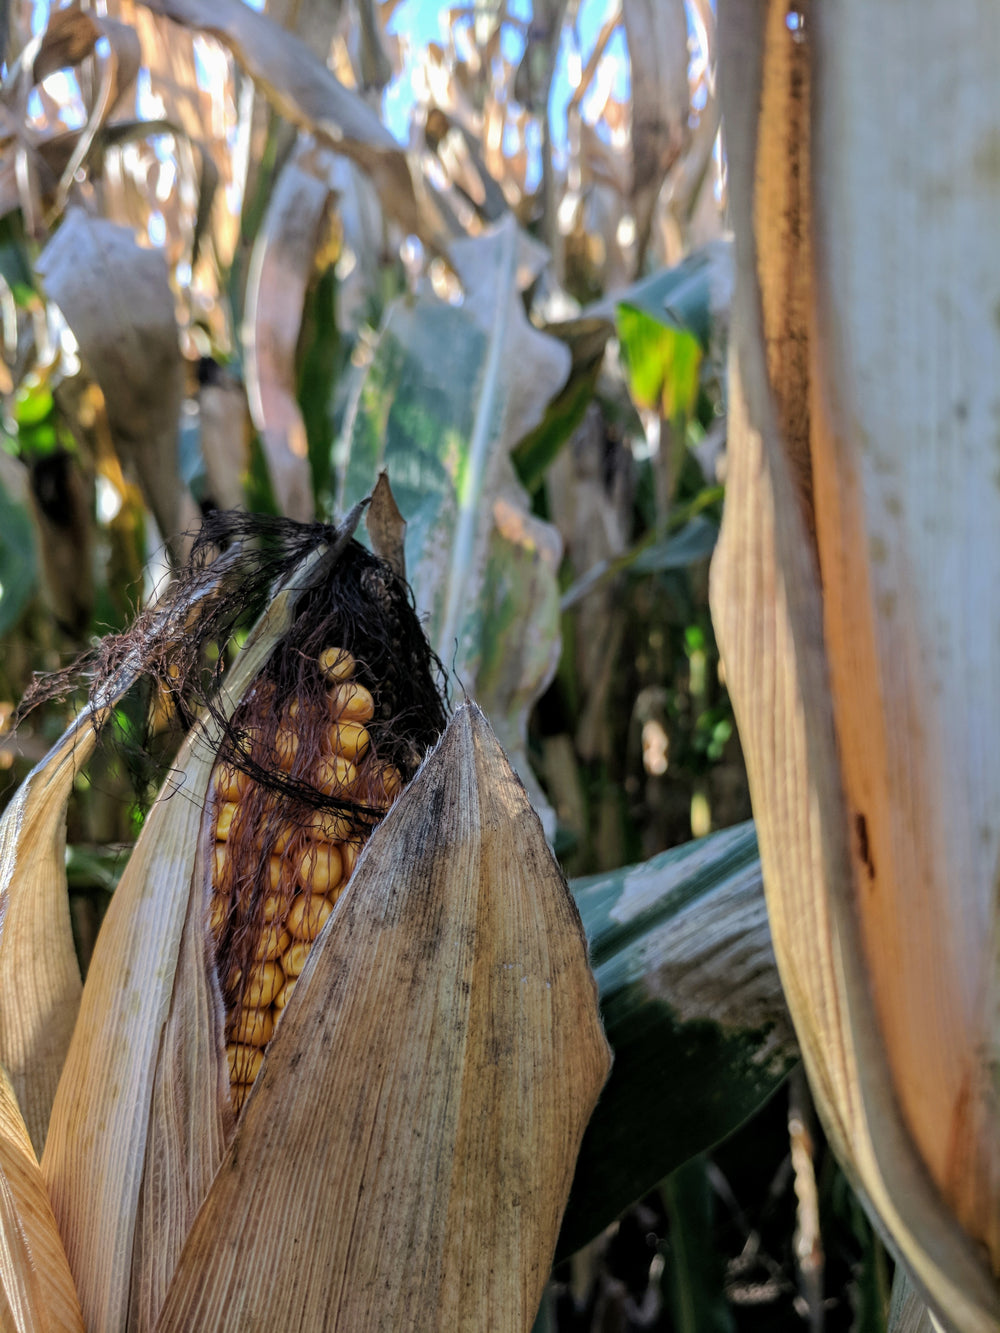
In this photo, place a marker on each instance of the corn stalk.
(855, 589)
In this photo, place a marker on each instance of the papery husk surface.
(405, 1156)
(40, 983)
(37, 1294)
(858, 633)
(141, 1115)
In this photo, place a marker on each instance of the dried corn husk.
(855, 592)
(39, 976)
(446, 1019)
(144, 1075)
(36, 1286)
(421, 1107)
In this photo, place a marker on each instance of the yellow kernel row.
(305, 884)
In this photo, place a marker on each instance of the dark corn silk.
(323, 742)
(331, 730)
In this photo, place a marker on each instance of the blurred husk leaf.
(420, 1107)
(860, 646)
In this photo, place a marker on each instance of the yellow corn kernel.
(274, 940)
(321, 867)
(351, 702)
(286, 747)
(221, 858)
(274, 905)
(282, 841)
(219, 913)
(334, 774)
(328, 826)
(283, 996)
(244, 1062)
(275, 865)
(263, 983)
(224, 823)
(308, 915)
(350, 739)
(336, 663)
(231, 784)
(255, 1028)
(349, 857)
(294, 958)
(386, 784)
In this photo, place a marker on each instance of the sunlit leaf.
(448, 392)
(662, 363)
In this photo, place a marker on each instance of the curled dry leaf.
(116, 298)
(38, 168)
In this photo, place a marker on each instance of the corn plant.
(211, 237)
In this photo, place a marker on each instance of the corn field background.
(252, 257)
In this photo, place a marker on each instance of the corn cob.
(276, 880)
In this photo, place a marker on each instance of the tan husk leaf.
(387, 526)
(863, 773)
(405, 1156)
(39, 987)
(141, 1113)
(36, 1287)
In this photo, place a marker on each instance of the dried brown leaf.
(117, 300)
(422, 1103)
(39, 988)
(309, 95)
(657, 35)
